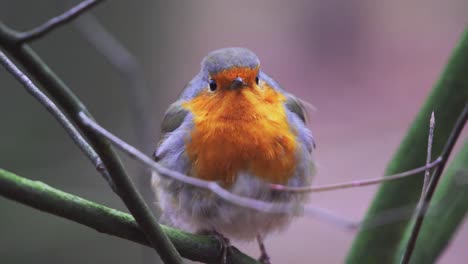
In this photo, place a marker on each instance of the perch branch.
(106, 220)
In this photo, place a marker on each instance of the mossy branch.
(107, 220)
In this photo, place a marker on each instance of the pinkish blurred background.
(366, 66)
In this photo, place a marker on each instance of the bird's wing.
(292, 103)
(173, 119)
(295, 105)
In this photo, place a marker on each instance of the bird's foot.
(264, 258)
(225, 245)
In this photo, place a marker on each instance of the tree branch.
(59, 116)
(108, 221)
(71, 105)
(138, 93)
(56, 22)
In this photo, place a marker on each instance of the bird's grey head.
(227, 58)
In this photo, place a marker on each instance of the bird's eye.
(257, 80)
(213, 85)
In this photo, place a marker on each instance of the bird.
(234, 125)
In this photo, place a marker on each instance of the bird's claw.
(264, 258)
(225, 246)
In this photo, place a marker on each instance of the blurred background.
(366, 66)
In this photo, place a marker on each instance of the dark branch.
(59, 116)
(71, 106)
(57, 21)
(106, 220)
(137, 90)
(427, 196)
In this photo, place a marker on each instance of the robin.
(234, 125)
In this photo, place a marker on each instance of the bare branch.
(387, 217)
(261, 206)
(71, 106)
(427, 195)
(59, 116)
(361, 183)
(57, 21)
(137, 90)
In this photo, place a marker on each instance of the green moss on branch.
(107, 220)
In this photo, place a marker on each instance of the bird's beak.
(238, 83)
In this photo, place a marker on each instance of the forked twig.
(57, 21)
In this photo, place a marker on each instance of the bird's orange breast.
(243, 130)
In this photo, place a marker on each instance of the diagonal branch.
(427, 195)
(71, 106)
(129, 69)
(106, 220)
(59, 116)
(56, 22)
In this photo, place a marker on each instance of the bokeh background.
(366, 66)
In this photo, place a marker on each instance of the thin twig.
(57, 21)
(107, 220)
(258, 205)
(360, 183)
(59, 116)
(427, 173)
(427, 196)
(71, 106)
